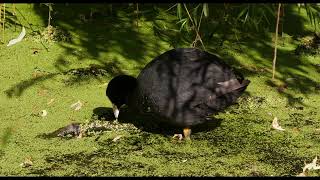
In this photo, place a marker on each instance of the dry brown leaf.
(275, 124)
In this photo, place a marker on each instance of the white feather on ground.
(19, 38)
(275, 124)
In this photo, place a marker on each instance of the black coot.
(180, 87)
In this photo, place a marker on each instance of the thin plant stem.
(275, 43)
(49, 18)
(198, 36)
(200, 20)
(4, 18)
(14, 13)
(137, 12)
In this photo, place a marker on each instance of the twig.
(49, 18)
(275, 43)
(195, 27)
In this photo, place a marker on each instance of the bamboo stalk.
(49, 18)
(14, 8)
(275, 44)
(1, 19)
(137, 11)
(195, 27)
(4, 18)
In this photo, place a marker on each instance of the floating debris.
(27, 162)
(19, 38)
(51, 101)
(311, 166)
(43, 113)
(116, 138)
(180, 137)
(77, 106)
(91, 128)
(275, 125)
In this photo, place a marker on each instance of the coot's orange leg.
(187, 133)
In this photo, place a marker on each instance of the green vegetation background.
(39, 74)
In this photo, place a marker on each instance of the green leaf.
(266, 18)
(242, 12)
(269, 7)
(183, 24)
(195, 15)
(245, 19)
(182, 20)
(205, 9)
(179, 10)
(171, 7)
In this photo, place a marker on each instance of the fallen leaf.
(76, 106)
(275, 124)
(43, 113)
(116, 138)
(185, 160)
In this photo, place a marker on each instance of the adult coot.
(180, 87)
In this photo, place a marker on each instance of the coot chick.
(181, 87)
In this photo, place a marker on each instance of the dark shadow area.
(146, 123)
(75, 74)
(150, 123)
(19, 88)
(100, 30)
(293, 23)
(116, 30)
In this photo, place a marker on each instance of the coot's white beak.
(115, 111)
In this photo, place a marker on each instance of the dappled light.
(57, 119)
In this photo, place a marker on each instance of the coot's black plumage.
(180, 87)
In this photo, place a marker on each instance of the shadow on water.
(116, 33)
(150, 123)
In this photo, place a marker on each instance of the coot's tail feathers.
(230, 86)
(243, 85)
